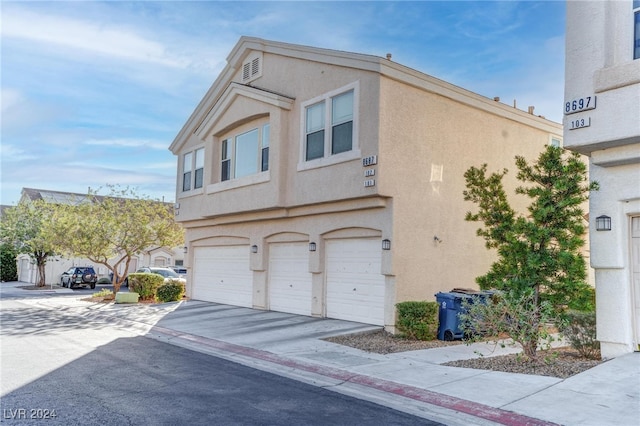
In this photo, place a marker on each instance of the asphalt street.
(61, 368)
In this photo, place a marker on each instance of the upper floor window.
(636, 29)
(329, 124)
(193, 169)
(245, 154)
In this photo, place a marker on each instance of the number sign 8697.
(581, 104)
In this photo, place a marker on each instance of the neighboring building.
(327, 183)
(602, 107)
(27, 271)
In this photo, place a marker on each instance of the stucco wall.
(599, 63)
(422, 133)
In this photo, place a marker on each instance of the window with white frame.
(245, 154)
(187, 164)
(193, 170)
(329, 124)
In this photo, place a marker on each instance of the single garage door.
(222, 275)
(289, 278)
(355, 287)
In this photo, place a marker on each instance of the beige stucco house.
(602, 121)
(55, 266)
(329, 184)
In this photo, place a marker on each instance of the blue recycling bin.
(450, 306)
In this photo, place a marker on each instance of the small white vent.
(246, 71)
(251, 69)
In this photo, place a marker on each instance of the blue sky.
(93, 93)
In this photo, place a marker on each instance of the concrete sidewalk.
(414, 382)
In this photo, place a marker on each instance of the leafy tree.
(110, 230)
(25, 227)
(539, 255)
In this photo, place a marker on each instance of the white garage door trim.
(222, 274)
(355, 288)
(290, 281)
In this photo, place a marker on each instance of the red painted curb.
(475, 409)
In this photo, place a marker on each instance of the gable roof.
(66, 198)
(56, 197)
(371, 63)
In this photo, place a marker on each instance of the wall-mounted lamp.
(185, 249)
(254, 249)
(312, 246)
(386, 245)
(603, 223)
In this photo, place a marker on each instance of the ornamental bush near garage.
(145, 284)
(171, 291)
(418, 320)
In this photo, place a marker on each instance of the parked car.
(79, 276)
(180, 270)
(167, 273)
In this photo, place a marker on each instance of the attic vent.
(246, 71)
(251, 69)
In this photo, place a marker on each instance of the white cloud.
(88, 36)
(10, 98)
(128, 143)
(11, 153)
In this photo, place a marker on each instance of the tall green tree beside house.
(110, 230)
(540, 269)
(26, 227)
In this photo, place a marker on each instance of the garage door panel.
(289, 279)
(355, 286)
(223, 275)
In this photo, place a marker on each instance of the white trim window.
(330, 125)
(245, 154)
(193, 170)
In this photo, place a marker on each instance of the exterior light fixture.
(386, 244)
(603, 223)
(254, 249)
(312, 246)
(185, 249)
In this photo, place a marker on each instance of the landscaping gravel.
(558, 362)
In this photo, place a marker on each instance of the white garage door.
(289, 278)
(222, 275)
(355, 287)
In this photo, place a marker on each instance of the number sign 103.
(579, 123)
(580, 104)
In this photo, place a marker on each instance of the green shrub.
(8, 265)
(171, 291)
(584, 301)
(580, 330)
(104, 280)
(418, 320)
(145, 284)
